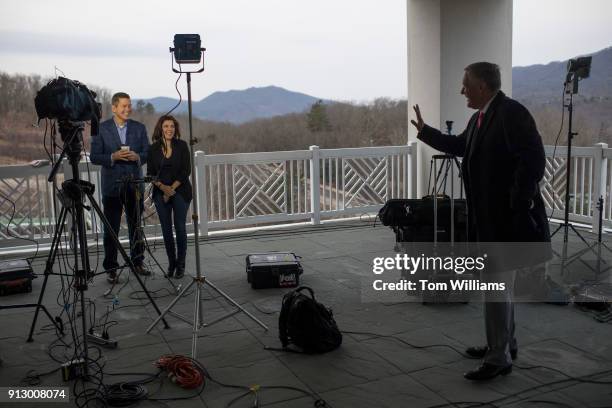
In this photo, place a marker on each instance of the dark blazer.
(503, 162)
(180, 170)
(107, 142)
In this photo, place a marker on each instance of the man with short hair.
(121, 149)
(503, 162)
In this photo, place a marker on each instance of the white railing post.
(200, 179)
(315, 185)
(600, 167)
(413, 169)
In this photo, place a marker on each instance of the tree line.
(381, 122)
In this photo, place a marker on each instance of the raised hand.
(419, 122)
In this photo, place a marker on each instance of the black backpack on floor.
(307, 323)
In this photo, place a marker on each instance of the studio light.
(580, 67)
(187, 48)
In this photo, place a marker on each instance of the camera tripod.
(447, 164)
(72, 195)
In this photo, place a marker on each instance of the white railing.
(255, 189)
(590, 178)
(29, 208)
(277, 187)
(234, 190)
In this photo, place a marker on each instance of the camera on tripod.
(68, 101)
(72, 104)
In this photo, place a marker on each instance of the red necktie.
(479, 122)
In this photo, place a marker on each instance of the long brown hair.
(158, 133)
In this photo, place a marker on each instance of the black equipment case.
(412, 220)
(273, 270)
(435, 218)
(15, 277)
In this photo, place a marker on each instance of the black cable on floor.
(583, 379)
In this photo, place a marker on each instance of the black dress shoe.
(170, 270)
(180, 271)
(481, 351)
(141, 271)
(487, 372)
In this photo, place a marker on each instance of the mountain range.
(544, 83)
(534, 84)
(240, 106)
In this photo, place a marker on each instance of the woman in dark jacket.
(169, 164)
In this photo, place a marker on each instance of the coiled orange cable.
(181, 370)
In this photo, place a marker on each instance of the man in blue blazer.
(121, 148)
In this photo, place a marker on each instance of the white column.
(444, 36)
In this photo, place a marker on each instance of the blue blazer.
(107, 142)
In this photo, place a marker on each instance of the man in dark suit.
(121, 149)
(503, 162)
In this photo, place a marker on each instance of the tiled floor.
(377, 368)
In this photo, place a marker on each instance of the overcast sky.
(336, 49)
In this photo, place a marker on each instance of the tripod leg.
(38, 306)
(578, 233)
(81, 271)
(170, 306)
(557, 230)
(564, 256)
(196, 321)
(59, 228)
(124, 254)
(598, 266)
(438, 180)
(233, 302)
(589, 247)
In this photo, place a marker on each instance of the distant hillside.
(240, 106)
(543, 83)
(540, 88)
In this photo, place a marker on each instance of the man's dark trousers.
(113, 209)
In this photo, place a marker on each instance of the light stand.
(194, 50)
(577, 69)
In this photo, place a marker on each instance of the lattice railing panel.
(365, 181)
(554, 182)
(25, 207)
(259, 189)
